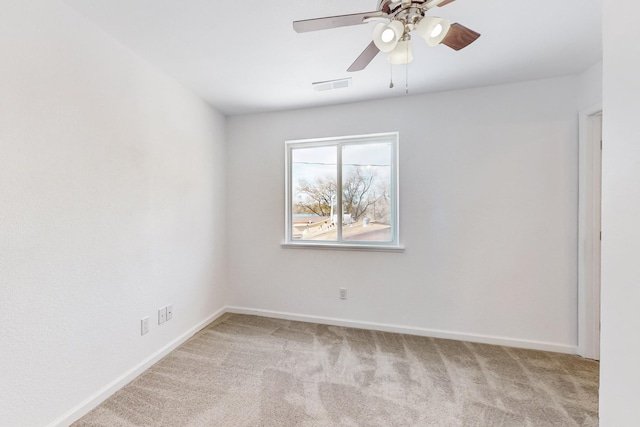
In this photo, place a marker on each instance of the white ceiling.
(244, 57)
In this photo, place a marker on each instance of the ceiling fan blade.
(365, 58)
(334, 21)
(460, 37)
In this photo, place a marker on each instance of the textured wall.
(488, 215)
(112, 187)
(620, 342)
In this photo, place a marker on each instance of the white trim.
(589, 227)
(339, 142)
(343, 247)
(411, 330)
(85, 407)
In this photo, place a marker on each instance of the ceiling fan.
(398, 18)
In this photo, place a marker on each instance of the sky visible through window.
(315, 162)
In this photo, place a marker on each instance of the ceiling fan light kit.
(433, 30)
(402, 54)
(387, 36)
(394, 35)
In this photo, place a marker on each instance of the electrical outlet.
(169, 312)
(144, 325)
(162, 315)
(343, 293)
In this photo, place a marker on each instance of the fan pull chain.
(406, 77)
(391, 72)
(406, 81)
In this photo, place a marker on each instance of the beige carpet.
(254, 371)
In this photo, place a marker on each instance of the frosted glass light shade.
(402, 54)
(386, 36)
(433, 30)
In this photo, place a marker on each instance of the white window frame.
(339, 142)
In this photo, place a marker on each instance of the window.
(343, 192)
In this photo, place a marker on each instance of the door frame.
(589, 230)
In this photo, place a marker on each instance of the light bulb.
(436, 31)
(387, 35)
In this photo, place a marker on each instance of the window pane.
(343, 191)
(313, 179)
(366, 192)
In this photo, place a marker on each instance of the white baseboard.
(85, 407)
(411, 330)
(93, 401)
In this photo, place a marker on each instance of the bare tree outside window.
(315, 197)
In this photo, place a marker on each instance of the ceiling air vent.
(332, 84)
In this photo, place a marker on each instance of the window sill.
(343, 247)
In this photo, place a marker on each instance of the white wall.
(620, 340)
(590, 87)
(488, 183)
(112, 184)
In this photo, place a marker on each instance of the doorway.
(589, 231)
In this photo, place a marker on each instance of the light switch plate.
(144, 325)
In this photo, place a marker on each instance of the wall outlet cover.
(162, 315)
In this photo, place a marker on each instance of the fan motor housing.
(408, 11)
